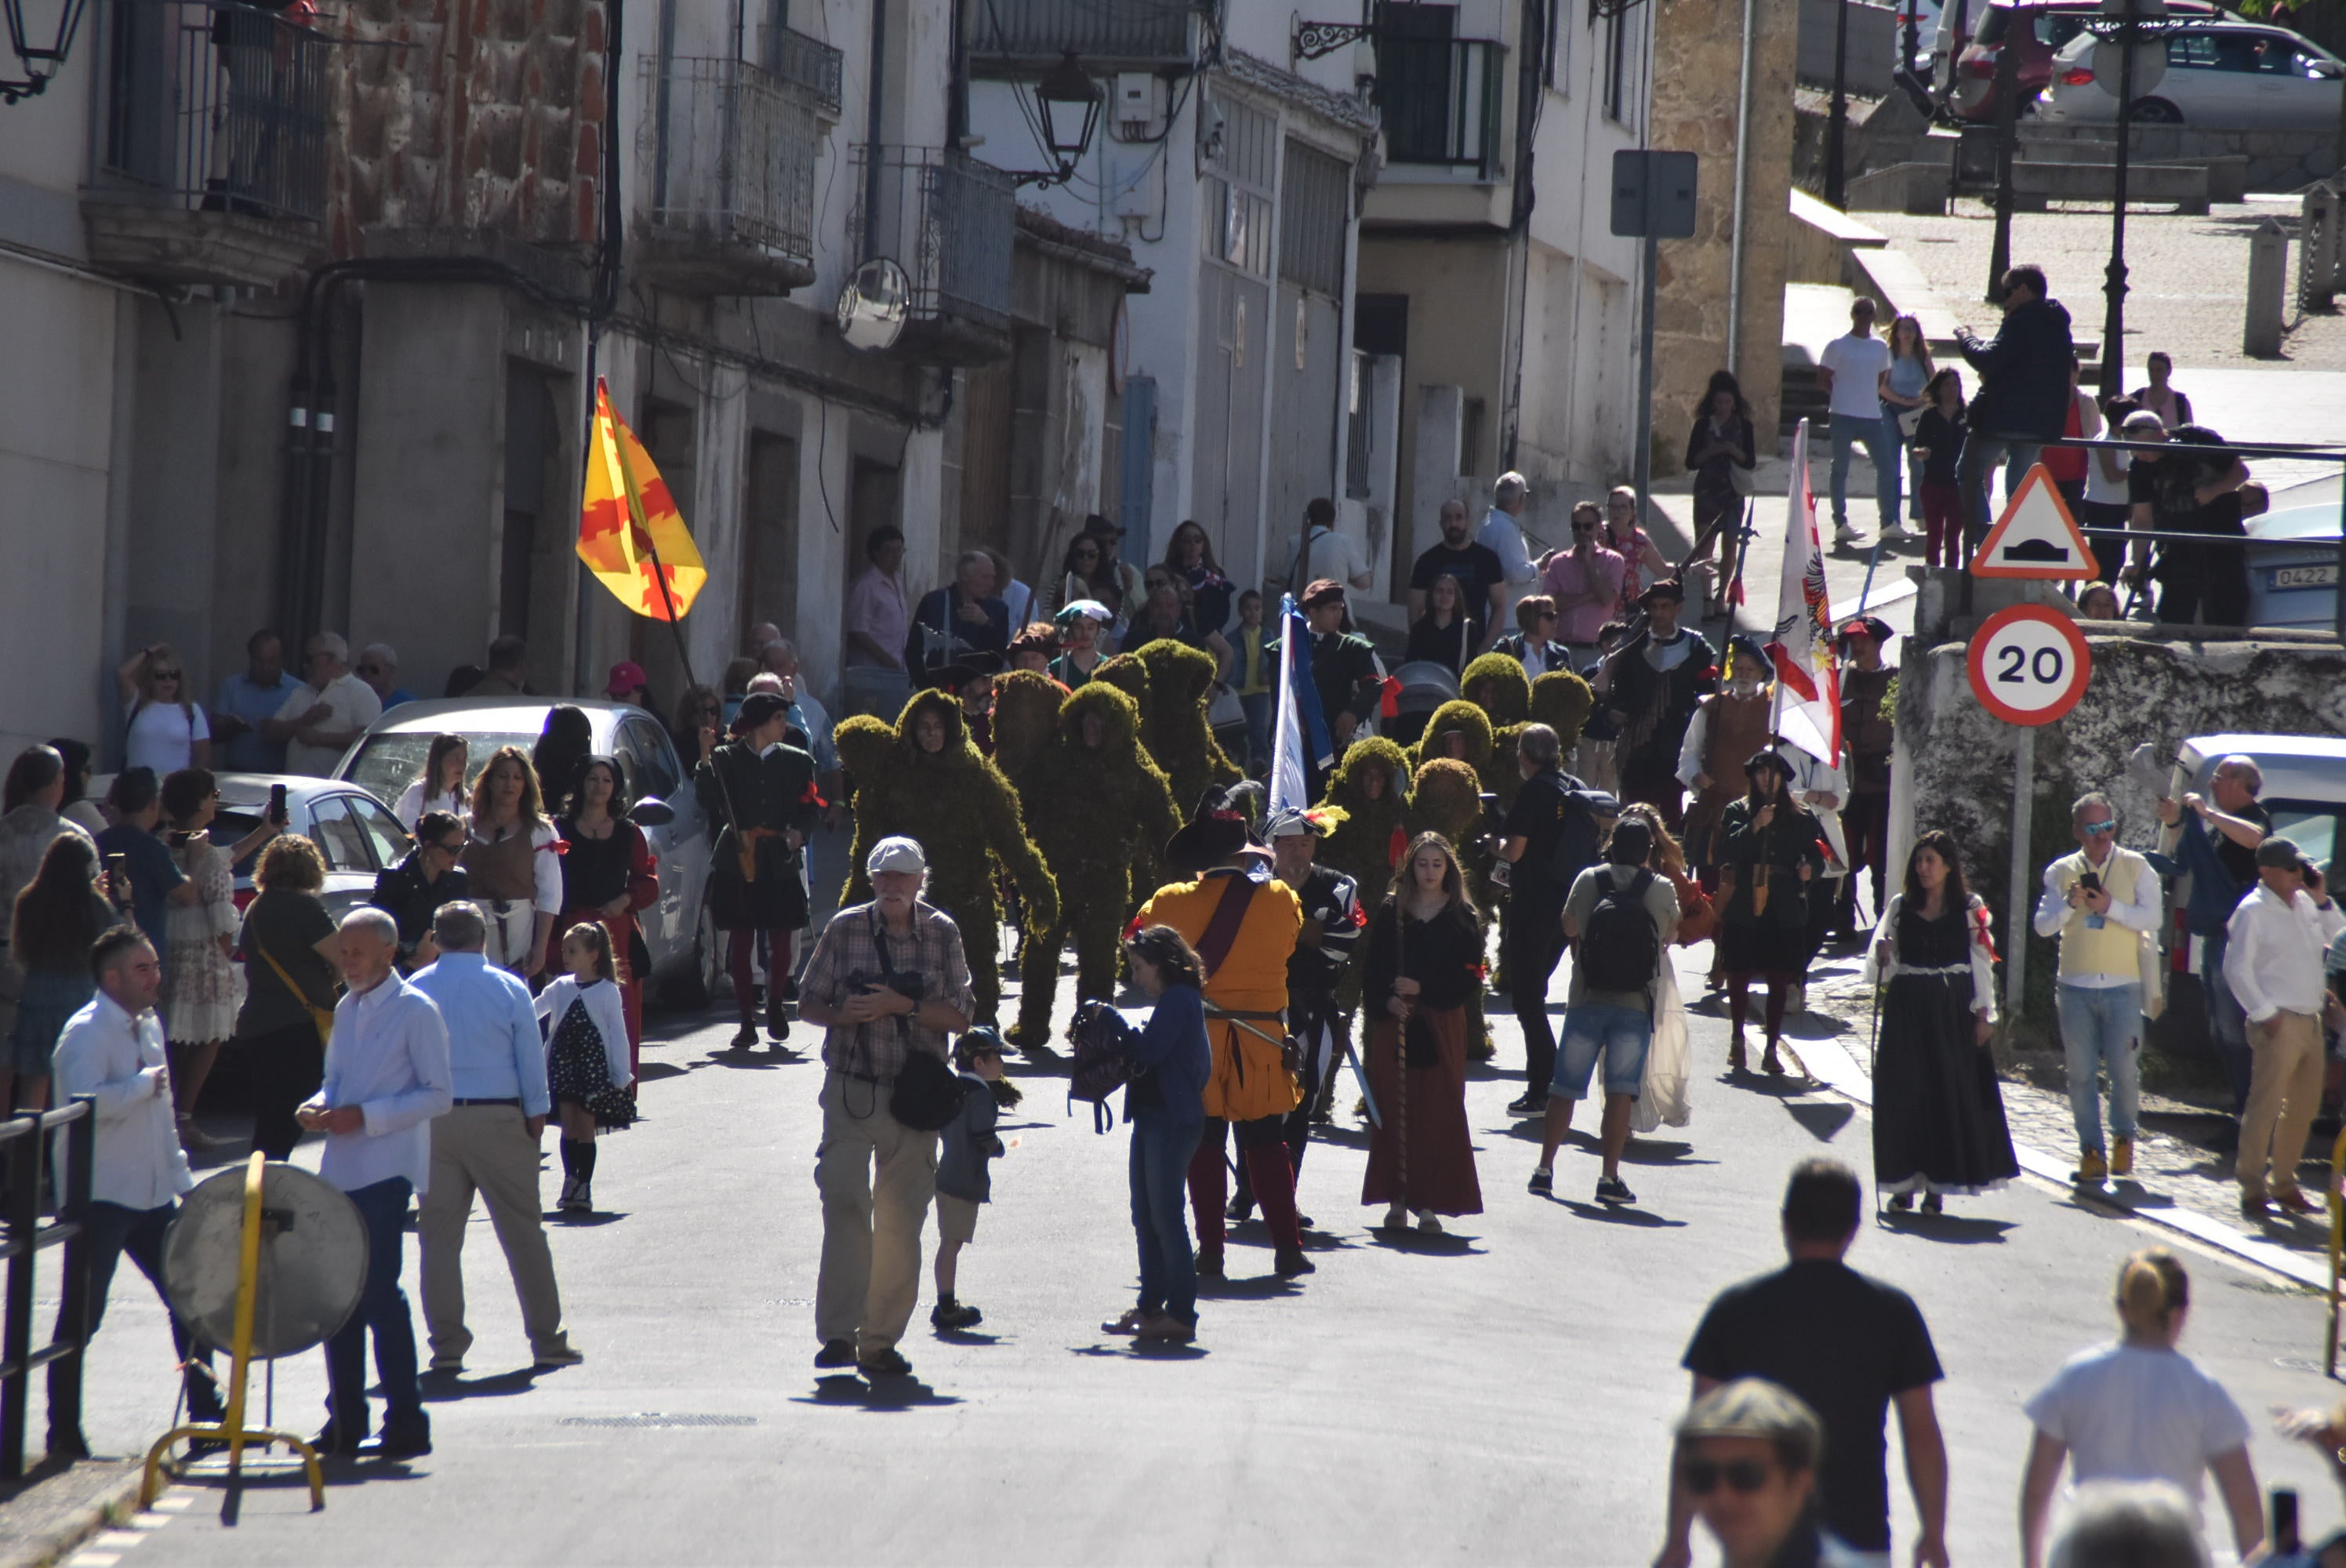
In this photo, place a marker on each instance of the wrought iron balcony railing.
(1115, 32)
(948, 220)
(727, 154)
(216, 110)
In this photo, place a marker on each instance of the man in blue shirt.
(245, 700)
(487, 1143)
(155, 881)
(386, 1076)
(378, 666)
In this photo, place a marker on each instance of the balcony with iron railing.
(807, 64)
(211, 160)
(727, 154)
(1012, 34)
(1439, 99)
(949, 221)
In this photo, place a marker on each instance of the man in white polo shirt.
(2280, 936)
(1853, 371)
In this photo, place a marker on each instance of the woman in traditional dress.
(607, 875)
(202, 988)
(1938, 1116)
(1422, 959)
(587, 1067)
(1768, 856)
(513, 863)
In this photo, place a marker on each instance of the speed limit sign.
(2028, 664)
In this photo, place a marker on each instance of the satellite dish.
(874, 306)
(314, 1260)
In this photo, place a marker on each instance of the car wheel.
(688, 984)
(2156, 112)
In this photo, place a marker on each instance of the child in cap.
(965, 1178)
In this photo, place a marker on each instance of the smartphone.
(2285, 1537)
(276, 804)
(2091, 881)
(118, 879)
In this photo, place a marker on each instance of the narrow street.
(1502, 1393)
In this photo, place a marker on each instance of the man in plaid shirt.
(860, 986)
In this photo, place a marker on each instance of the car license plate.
(2325, 575)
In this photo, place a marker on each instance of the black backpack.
(1619, 948)
(1103, 1060)
(1579, 842)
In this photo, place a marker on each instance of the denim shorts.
(1622, 1033)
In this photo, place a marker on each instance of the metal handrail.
(25, 1143)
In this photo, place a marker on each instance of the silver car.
(355, 832)
(390, 757)
(2229, 76)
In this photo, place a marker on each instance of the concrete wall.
(1699, 51)
(2148, 691)
(1873, 36)
(2277, 159)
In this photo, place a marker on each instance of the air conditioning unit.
(1140, 105)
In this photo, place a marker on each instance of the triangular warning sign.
(2035, 537)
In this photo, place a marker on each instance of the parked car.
(2231, 76)
(2037, 29)
(354, 830)
(2294, 584)
(390, 757)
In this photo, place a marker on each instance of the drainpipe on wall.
(1742, 194)
(872, 126)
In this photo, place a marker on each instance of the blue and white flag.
(1300, 737)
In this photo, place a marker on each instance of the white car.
(390, 757)
(2227, 76)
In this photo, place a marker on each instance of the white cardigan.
(604, 1010)
(1983, 965)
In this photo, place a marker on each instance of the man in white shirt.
(318, 721)
(2099, 901)
(2278, 936)
(112, 1050)
(1502, 533)
(1323, 552)
(1853, 371)
(386, 1077)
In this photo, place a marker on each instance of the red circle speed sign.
(2028, 664)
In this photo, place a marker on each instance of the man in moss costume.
(1092, 798)
(1172, 682)
(1370, 787)
(924, 780)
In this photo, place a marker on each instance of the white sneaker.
(1396, 1219)
(1428, 1222)
(1843, 534)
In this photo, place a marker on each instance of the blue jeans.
(1160, 1217)
(2101, 1028)
(2227, 1023)
(382, 1309)
(115, 1232)
(1622, 1035)
(1981, 452)
(1259, 706)
(1879, 436)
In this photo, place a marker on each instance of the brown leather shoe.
(2255, 1206)
(1163, 1326)
(2296, 1201)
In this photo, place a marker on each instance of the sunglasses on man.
(1703, 1476)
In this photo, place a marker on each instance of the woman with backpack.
(1167, 1108)
(1768, 856)
(1422, 959)
(1938, 1114)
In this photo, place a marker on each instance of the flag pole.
(644, 532)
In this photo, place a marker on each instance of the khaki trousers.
(485, 1149)
(2284, 1091)
(871, 1277)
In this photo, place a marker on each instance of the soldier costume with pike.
(756, 800)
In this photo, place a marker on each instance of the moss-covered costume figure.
(1092, 798)
(1370, 787)
(1171, 682)
(924, 779)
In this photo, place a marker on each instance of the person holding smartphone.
(2101, 902)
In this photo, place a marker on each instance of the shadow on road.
(1954, 1229)
(1446, 1243)
(442, 1387)
(1610, 1214)
(1823, 1119)
(752, 1058)
(846, 1391)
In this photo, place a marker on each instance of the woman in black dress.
(1721, 442)
(1938, 1116)
(608, 874)
(1768, 857)
(1422, 962)
(1446, 635)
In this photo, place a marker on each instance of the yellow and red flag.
(631, 534)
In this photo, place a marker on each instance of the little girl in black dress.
(586, 1057)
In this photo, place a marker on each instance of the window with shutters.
(1241, 172)
(1314, 205)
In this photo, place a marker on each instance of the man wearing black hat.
(1865, 734)
(974, 688)
(759, 792)
(1657, 678)
(1244, 923)
(1729, 725)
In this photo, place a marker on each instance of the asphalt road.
(1501, 1394)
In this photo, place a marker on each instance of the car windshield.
(387, 764)
(2311, 826)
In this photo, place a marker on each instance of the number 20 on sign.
(2028, 664)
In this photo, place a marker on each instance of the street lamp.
(1069, 101)
(39, 49)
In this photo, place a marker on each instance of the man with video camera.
(888, 983)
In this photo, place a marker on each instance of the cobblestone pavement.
(2176, 1181)
(2187, 277)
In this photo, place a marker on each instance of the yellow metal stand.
(232, 1431)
